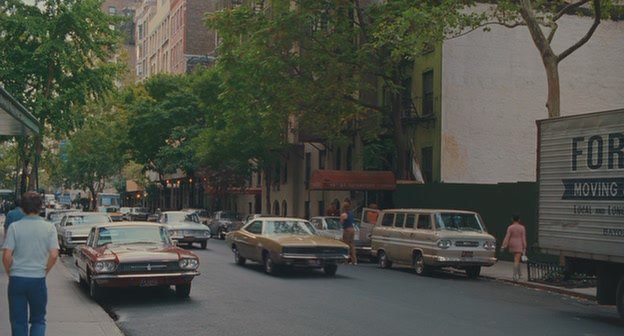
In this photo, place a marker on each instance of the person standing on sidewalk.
(30, 252)
(13, 216)
(515, 241)
(348, 231)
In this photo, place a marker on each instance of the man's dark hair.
(516, 218)
(31, 202)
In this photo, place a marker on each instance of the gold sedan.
(292, 242)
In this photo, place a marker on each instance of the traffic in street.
(228, 299)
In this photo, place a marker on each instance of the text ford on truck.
(581, 197)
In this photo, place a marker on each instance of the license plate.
(467, 254)
(148, 282)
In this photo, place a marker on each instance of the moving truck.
(581, 197)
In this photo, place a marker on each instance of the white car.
(185, 227)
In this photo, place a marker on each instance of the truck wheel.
(620, 297)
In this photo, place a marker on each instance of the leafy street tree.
(55, 59)
(95, 154)
(403, 28)
(163, 116)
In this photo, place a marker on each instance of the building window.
(308, 169)
(337, 163)
(285, 173)
(322, 159)
(250, 208)
(258, 179)
(306, 209)
(112, 10)
(321, 208)
(427, 79)
(350, 157)
(276, 209)
(284, 208)
(427, 163)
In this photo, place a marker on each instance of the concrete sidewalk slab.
(503, 271)
(70, 310)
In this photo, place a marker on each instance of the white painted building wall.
(494, 89)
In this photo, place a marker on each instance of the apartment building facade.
(172, 37)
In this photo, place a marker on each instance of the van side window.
(398, 222)
(424, 222)
(388, 219)
(409, 221)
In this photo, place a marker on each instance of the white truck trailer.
(581, 197)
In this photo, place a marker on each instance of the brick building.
(172, 37)
(127, 9)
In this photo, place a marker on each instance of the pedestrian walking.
(348, 231)
(30, 252)
(14, 215)
(515, 242)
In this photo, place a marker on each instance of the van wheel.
(382, 260)
(619, 299)
(419, 264)
(473, 272)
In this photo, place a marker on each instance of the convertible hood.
(299, 240)
(142, 252)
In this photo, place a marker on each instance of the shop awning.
(14, 118)
(352, 180)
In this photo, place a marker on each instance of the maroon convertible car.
(134, 254)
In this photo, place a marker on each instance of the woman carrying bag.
(515, 242)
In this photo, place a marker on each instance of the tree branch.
(588, 35)
(553, 30)
(361, 103)
(568, 8)
(508, 25)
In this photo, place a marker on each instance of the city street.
(361, 300)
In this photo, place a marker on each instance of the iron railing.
(541, 271)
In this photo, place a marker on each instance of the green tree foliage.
(55, 58)
(95, 153)
(163, 116)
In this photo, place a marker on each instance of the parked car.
(203, 214)
(223, 222)
(429, 238)
(55, 216)
(134, 213)
(133, 254)
(330, 227)
(282, 241)
(184, 227)
(74, 228)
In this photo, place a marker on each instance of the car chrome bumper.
(461, 262)
(144, 275)
(308, 260)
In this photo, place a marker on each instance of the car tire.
(473, 272)
(183, 291)
(382, 260)
(330, 270)
(269, 266)
(203, 245)
(419, 264)
(237, 257)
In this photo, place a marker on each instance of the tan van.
(429, 238)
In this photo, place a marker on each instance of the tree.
(55, 59)
(163, 115)
(541, 17)
(95, 154)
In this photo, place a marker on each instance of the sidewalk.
(70, 311)
(503, 271)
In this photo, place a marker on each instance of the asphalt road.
(361, 300)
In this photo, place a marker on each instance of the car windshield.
(133, 235)
(333, 223)
(174, 218)
(288, 227)
(458, 222)
(87, 219)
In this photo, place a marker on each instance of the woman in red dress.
(515, 241)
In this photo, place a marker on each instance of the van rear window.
(388, 219)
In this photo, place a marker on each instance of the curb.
(106, 324)
(544, 287)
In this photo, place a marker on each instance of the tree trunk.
(93, 203)
(33, 181)
(553, 104)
